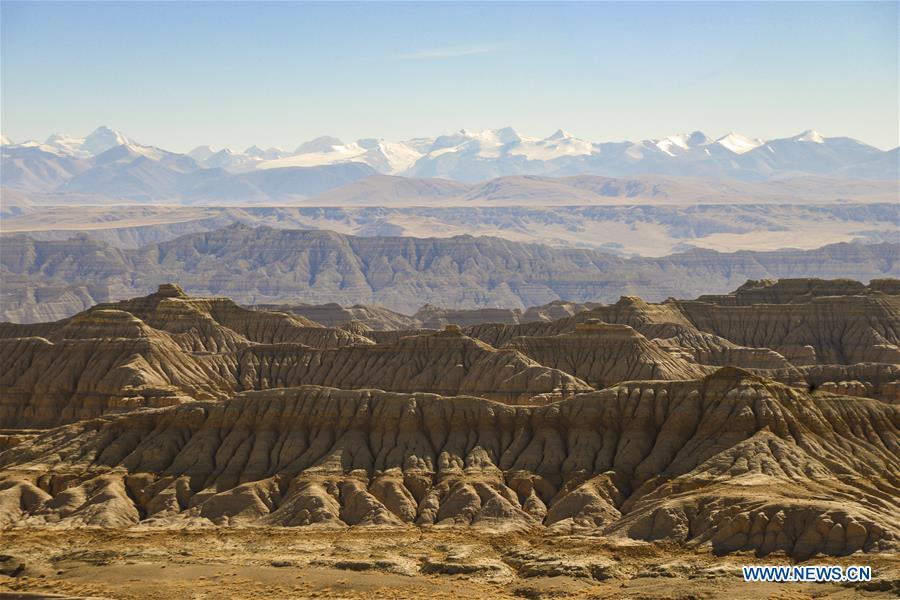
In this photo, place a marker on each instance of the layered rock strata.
(603, 354)
(169, 348)
(731, 461)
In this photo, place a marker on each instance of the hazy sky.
(234, 74)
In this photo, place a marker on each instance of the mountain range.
(107, 164)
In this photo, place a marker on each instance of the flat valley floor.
(390, 562)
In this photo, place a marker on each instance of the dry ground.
(386, 563)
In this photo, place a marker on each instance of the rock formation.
(826, 330)
(731, 461)
(447, 363)
(791, 291)
(168, 347)
(428, 317)
(800, 335)
(170, 410)
(602, 355)
(264, 265)
(332, 314)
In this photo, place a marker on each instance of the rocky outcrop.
(168, 348)
(794, 291)
(845, 329)
(200, 324)
(663, 324)
(332, 314)
(392, 337)
(650, 320)
(602, 355)
(872, 380)
(161, 349)
(732, 461)
(101, 361)
(195, 321)
(428, 317)
(552, 311)
(446, 363)
(434, 317)
(709, 349)
(826, 330)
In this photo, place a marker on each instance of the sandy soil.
(387, 563)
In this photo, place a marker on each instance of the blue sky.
(276, 74)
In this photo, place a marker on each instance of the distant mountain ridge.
(264, 266)
(145, 174)
(108, 163)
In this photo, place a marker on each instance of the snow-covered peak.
(492, 143)
(267, 154)
(324, 143)
(5, 141)
(201, 153)
(810, 135)
(508, 135)
(467, 154)
(99, 141)
(674, 143)
(484, 144)
(31, 144)
(492, 137)
(36, 144)
(384, 156)
(682, 142)
(227, 158)
(122, 153)
(697, 138)
(738, 143)
(102, 139)
(558, 145)
(63, 144)
(560, 134)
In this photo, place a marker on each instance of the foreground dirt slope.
(731, 461)
(393, 562)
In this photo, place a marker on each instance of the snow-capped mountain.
(475, 156)
(383, 156)
(99, 141)
(478, 155)
(110, 164)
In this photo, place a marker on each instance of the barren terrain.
(179, 446)
(393, 562)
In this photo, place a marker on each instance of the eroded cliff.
(732, 461)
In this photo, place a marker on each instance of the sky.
(179, 74)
